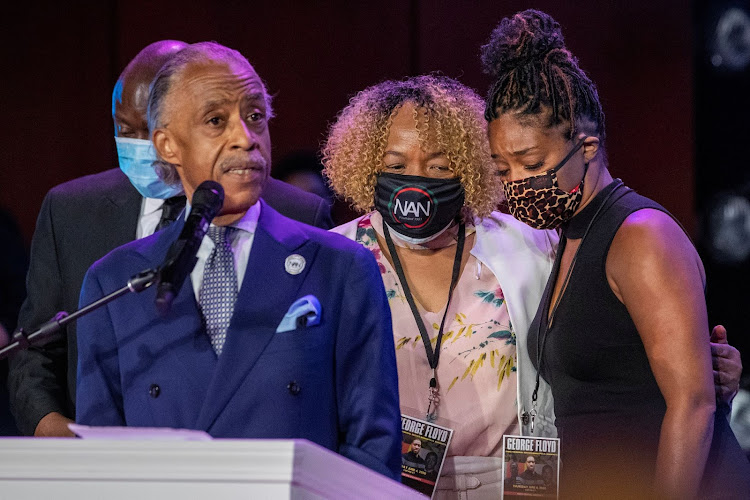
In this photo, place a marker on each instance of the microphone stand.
(21, 340)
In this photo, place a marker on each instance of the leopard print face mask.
(539, 202)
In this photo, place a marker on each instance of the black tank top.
(593, 355)
(608, 407)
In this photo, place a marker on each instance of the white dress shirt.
(241, 243)
(151, 209)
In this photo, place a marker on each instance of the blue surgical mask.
(137, 157)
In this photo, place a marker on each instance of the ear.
(166, 146)
(590, 148)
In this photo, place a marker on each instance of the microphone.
(181, 257)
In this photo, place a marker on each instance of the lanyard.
(433, 356)
(542, 336)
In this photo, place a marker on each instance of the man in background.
(13, 263)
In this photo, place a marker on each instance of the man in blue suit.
(233, 356)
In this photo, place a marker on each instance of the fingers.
(727, 369)
(725, 351)
(719, 351)
(725, 392)
(719, 335)
(727, 360)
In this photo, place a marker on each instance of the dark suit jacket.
(333, 383)
(13, 262)
(79, 222)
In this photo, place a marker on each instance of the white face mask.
(137, 157)
(419, 241)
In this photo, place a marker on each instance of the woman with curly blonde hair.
(451, 121)
(462, 280)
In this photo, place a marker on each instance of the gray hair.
(170, 73)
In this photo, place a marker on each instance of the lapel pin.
(294, 264)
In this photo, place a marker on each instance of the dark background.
(60, 62)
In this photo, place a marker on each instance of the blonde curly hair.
(452, 121)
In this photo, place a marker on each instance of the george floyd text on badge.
(530, 445)
(531, 467)
(424, 429)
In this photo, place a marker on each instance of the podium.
(79, 469)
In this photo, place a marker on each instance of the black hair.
(533, 71)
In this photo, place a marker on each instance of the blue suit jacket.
(334, 383)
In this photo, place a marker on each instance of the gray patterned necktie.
(219, 290)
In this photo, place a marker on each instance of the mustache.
(253, 160)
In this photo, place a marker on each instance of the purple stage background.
(60, 63)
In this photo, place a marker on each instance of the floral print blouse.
(477, 370)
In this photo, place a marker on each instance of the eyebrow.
(522, 152)
(257, 96)
(430, 156)
(213, 104)
(121, 120)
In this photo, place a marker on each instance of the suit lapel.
(267, 292)
(193, 354)
(121, 209)
(182, 327)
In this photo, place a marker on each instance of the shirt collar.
(151, 205)
(249, 221)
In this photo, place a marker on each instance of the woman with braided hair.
(620, 331)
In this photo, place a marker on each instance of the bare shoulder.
(650, 244)
(652, 232)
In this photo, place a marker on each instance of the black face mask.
(418, 207)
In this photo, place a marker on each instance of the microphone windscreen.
(209, 194)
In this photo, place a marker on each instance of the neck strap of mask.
(573, 151)
(433, 355)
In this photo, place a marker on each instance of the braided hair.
(534, 72)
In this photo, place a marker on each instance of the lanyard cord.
(541, 343)
(433, 357)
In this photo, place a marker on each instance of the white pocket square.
(302, 313)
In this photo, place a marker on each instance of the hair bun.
(525, 38)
